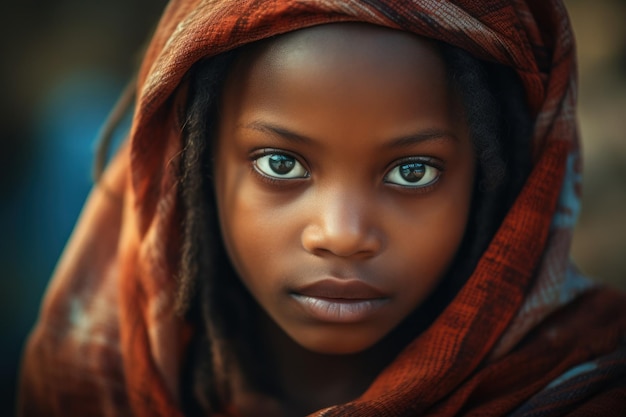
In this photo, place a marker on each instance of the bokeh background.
(65, 62)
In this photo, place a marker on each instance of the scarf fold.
(108, 342)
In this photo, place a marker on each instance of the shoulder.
(593, 388)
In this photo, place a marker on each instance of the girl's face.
(344, 174)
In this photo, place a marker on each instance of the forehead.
(343, 55)
(345, 47)
(343, 80)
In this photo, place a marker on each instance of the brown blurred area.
(45, 43)
(599, 246)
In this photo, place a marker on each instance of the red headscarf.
(109, 344)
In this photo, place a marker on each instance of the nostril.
(345, 242)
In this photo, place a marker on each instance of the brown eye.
(413, 174)
(280, 166)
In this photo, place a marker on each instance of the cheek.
(428, 235)
(428, 244)
(242, 236)
(231, 209)
(253, 228)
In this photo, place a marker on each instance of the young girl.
(337, 208)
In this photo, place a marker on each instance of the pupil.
(281, 164)
(412, 172)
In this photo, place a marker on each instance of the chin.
(341, 342)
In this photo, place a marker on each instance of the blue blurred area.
(63, 66)
(37, 220)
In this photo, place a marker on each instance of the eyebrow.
(400, 142)
(427, 135)
(279, 131)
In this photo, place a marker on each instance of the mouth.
(339, 301)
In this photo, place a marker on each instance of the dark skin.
(344, 176)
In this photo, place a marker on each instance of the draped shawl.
(526, 335)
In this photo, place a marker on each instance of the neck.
(311, 381)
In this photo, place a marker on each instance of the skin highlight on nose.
(342, 225)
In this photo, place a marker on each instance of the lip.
(339, 300)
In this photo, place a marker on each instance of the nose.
(344, 225)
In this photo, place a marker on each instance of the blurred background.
(65, 62)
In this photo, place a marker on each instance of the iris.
(413, 172)
(281, 164)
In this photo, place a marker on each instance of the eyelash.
(430, 162)
(284, 182)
